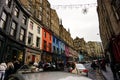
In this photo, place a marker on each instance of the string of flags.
(84, 7)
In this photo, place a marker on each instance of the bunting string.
(74, 6)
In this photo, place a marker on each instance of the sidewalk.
(108, 74)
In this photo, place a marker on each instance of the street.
(94, 74)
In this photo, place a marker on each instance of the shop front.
(13, 51)
(46, 56)
(32, 55)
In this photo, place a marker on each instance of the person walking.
(3, 68)
(93, 65)
(10, 69)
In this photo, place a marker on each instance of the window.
(31, 25)
(3, 20)
(40, 17)
(24, 19)
(57, 50)
(44, 34)
(50, 47)
(13, 29)
(38, 30)
(38, 42)
(53, 40)
(22, 34)
(40, 9)
(30, 38)
(16, 12)
(54, 49)
(45, 45)
(29, 7)
(49, 36)
(8, 3)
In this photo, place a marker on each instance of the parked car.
(54, 75)
(80, 69)
(27, 69)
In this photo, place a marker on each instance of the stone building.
(94, 49)
(54, 22)
(80, 47)
(109, 25)
(40, 9)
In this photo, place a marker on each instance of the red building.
(46, 45)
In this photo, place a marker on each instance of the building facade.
(109, 22)
(54, 22)
(33, 41)
(13, 27)
(95, 50)
(46, 45)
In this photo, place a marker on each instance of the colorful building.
(33, 41)
(46, 45)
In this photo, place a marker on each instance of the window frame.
(22, 34)
(45, 45)
(31, 25)
(3, 20)
(24, 19)
(30, 36)
(38, 29)
(13, 29)
(16, 11)
(38, 42)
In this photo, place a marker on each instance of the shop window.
(38, 42)
(22, 34)
(3, 20)
(30, 38)
(16, 12)
(13, 29)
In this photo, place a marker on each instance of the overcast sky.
(82, 25)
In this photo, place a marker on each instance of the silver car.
(80, 69)
(56, 75)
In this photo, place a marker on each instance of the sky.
(80, 25)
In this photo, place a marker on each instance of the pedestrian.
(93, 65)
(103, 65)
(3, 68)
(17, 65)
(10, 69)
